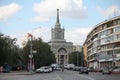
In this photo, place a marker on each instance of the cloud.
(77, 36)
(110, 11)
(21, 37)
(68, 8)
(43, 32)
(8, 10)
(39, 32)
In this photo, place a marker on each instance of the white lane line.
(56, 77)
(86, 77)
(59, 78)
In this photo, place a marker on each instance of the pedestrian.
(62, 68)
(1, 68)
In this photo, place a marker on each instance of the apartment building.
(102, 45)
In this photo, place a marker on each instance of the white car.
(69, 66)
(55, 67)
(44, 69)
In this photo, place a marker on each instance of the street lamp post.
(31, 64)
(31, 55)
(77, 58)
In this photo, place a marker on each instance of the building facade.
(77, 48)
(85, 54)
(102, 45)
(58, 44)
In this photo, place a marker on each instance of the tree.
(43, 57)
(9, 51)
(76, 58)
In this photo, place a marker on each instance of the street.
(58, 75)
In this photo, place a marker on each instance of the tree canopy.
(76, 58)
(9, 51)
(44, 55)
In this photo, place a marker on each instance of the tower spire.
(57, 25)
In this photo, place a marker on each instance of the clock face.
(59, 34)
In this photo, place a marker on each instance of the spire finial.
(57, 25)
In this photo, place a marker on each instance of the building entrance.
(61, 59)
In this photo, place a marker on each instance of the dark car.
(6, 68)
(83, 70)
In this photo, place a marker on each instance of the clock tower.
(58, 44)
(57, 31)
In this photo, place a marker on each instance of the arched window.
(62, 50)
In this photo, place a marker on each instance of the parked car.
(84, 70)
(106, 70)
(69, 66)
(56, 67)
(91, 69)
(44, 69)
(115, 70)
(6, 68)
(76, 68)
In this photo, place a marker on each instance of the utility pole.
(30, 55)
(77, 58)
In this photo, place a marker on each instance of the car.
(84, 70)
(69, 66)
(115, 70)
(44, 69)
(76, 68)
(106, 70)
(56, 67)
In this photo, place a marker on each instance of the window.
(117, 51)
(118, 36)
(117, 29)
(115, 37)
(118, 21)
(103, 41)
(104, 26)
(99, 35)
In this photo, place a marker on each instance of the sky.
(77, 17)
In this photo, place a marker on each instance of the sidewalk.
(18, 73)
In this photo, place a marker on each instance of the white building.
(103, 44)
(58, 44)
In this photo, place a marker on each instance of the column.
(59, 59)
(64, 59)
(56, 59)
(67, 58)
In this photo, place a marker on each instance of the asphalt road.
(58, 75)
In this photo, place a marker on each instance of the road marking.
(59, 78)
(86, 77)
